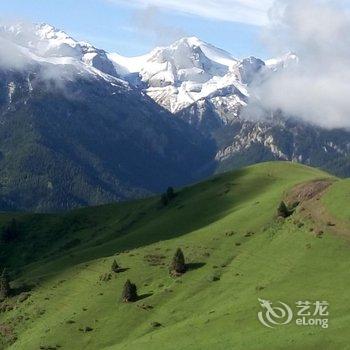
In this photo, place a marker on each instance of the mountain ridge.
(179, 107)
(72, 135)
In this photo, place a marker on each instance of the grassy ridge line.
(101, 229)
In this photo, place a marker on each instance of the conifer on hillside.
(10, 232)
(178, 266)
(4, 285)
(282, 210)
(168, 196)
(115, 267)
(170, 193)
(164, 200)
(129, 292)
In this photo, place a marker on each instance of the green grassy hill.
(236, 249)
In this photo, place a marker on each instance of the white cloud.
(149, 22)
(317, 89)
(243, 11)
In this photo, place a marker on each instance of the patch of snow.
(11, 90)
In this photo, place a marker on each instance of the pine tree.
(178, 265)
(170, 193)
(164, 200)
(282, 210)
(115, 267)
(10, 231)
(4, 285)
(129, 292)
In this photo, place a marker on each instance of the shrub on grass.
(214, 277)
(105, 277)
(129, 292)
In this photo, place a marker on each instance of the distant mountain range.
(80, 126)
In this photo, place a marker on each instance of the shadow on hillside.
(202, 205)
(25, 288)
(144, 296)
(122, 269)
(194, 266)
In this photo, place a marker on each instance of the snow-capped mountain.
(73, 134)
(207, 87)
(79, 125)
(186, 73)
(190, 71)
(43, 44)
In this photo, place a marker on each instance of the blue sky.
(134, 27)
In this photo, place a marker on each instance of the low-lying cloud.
(317, 89)
(11, 56)
(18, 49)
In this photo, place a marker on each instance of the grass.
(337, 200)
(236, 250)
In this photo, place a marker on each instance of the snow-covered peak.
(185, 73)
(55, 42)
(211, 52)
(185, 53)
(45, 43)
(39, 38)
(182, 73)
(47, 32)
